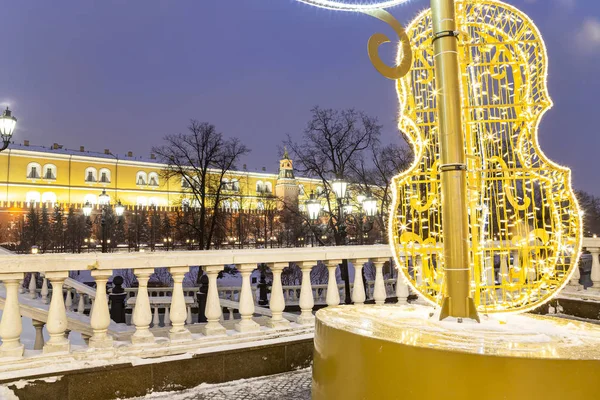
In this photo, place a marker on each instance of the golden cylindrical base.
(387, 352)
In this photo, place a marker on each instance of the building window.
(235, 206)
(34, 170)
(141, 178)
(260, 206)
(50, 171)
(141, 201)
(153, 201)
(268, 187)
(234, 184)
(301, 190)
(184, 182)
(32, 197)
(225, 184)
(105, 175)
(91, 198)
(49, 197)
(260, 187)
(91, 174)
(153, 179)
(226, 205)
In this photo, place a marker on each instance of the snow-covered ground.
(289, 386)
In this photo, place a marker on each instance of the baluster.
(212, 310)
(10, 325)
(32, 286)
(167, 316)
(358, 291)
(401, 287)
(68, 300)
(39, 335)
(178, 307)
(307, 302)
(188, 320)
(155, 317)
(230, 311)
(246, 308)
(379, 293)
(44, 291)
(277, 301)
(56, 324)
(81, 303)
(142, 312)
(333, 291)
(595, 251)
(100, 316)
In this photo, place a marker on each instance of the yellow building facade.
(34, 175)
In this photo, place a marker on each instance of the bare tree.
(201, 158)
(373, 175)
(332, 146)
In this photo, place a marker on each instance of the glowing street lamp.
(87, 209)
(369, 205)
(339, 187)
(119, 209)
(314, 207)
(104, 198)
(7, 127)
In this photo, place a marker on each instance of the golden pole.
(453, 169)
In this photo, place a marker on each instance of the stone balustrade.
(56, 267)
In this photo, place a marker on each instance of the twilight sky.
(121, 74)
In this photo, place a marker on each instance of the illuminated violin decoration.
(525, 224)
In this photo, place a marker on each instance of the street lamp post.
(104, 201)
(7, 127)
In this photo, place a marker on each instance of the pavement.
(289, 386)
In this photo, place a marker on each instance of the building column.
(56, 325)
(333, 290)
(213, 310)
(11, 325)
(178, 307)
(142, 313)
(358, 291)
(100, 316)
(307, 302)
(246, 308)
(39, 335)
(277, 301)
(379, 293)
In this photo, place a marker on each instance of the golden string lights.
(525, 224)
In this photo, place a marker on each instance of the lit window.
(260, 187)
(234, 185)
(105, 175)
(49, 197)
(50, 171)
(34, 170)
(32, 197)
(91, 174)
(153, 179)
(226, 205)
(91, 198)
(141, 178)
(235, 206)
(141, 201)
(260, 206)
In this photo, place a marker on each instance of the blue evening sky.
(121, 74)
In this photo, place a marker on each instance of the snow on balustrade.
(80, 332)
(84, 309)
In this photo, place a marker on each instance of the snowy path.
(289, 386)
